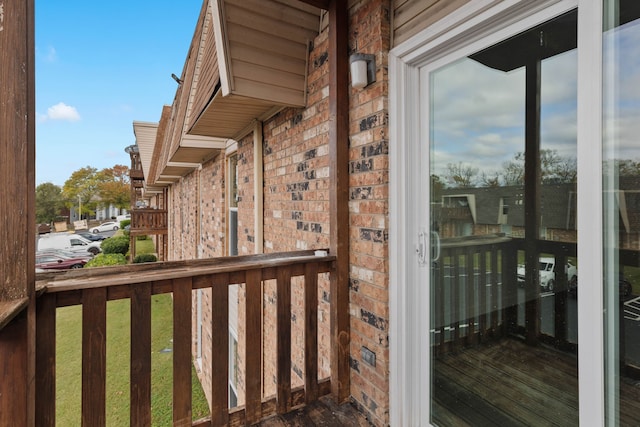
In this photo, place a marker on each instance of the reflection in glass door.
(503, 286)
(621, 200)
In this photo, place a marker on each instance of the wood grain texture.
(219, 349)
(140, 387)
(339, 195)
(182, 352)
(283, 340)
(311, 332)
(94, 357)
(46, 361)
(253, 347)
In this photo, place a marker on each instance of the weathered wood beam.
(17, 207)
(339, 195)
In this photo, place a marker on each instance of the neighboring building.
(243, 163)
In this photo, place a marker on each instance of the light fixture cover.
(363, 70)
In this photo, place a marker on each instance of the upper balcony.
(148, 221)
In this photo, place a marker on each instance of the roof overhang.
(247, 60)
(261, 54)
(197, 149)
(145, 133)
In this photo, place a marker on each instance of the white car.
(547, 275)
(105, 226)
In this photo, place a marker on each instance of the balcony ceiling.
(252, 60)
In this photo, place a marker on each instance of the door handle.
(435, 239)
(422, 248)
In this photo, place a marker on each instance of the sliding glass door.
(515, 285)
(501, 139)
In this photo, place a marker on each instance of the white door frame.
(474, 25)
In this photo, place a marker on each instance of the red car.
(58, 262)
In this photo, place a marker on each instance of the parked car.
(68, 241)
(58, 262)
(547, 273)
(123, 217)
(105, 226)
(91, 236)
(65, 253)
(624, 286)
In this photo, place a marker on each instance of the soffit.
(145, 133)
(259, 49)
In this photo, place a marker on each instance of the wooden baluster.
(482, 294)
(311, 332)
(469, 295)
(94, 340)
(182, 352)
(140, 355)
(220, 349)
(560, 300)
(283, 316)
(455, 298)
(46, 361)
(494, 288)
(510, 287)
(253, 347)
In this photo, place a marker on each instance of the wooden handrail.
(93, 288)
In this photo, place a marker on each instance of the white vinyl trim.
(478, 24)
(590, 218)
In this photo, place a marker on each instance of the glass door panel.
(621, 200)
(502, 147)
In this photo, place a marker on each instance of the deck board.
(323, 412)
(508, 383)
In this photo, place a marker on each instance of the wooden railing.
(476, 292)
(148, 221)
(93, 288)
(469, 292)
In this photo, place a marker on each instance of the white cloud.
(61, 111)
(51, 55)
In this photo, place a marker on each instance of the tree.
(80, 188)
(49, 202)
(92, 188)
(513, 170)
(461, 175)
(114, 187)
(554, 169)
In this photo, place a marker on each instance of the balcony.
(522, 335)
(138, 283)
(148, 221)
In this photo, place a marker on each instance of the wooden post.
(17, 206)
(339, 195)
(532, 201)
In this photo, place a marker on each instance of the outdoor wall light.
(363, 69)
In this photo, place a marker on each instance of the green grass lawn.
(68, 367)
(145, 247)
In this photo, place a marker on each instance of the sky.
(477, 113)
(99, 68)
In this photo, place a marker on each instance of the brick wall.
(369, 208)
(296, 211)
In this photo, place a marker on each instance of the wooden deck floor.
(324, 412)
(510, 384)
